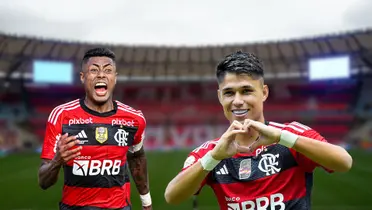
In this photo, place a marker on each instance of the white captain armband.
(208, 162)
(135, 148)
(146, 199)
(288, 139)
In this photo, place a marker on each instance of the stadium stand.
(175, 86)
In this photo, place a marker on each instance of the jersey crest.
(101, 134)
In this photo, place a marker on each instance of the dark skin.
(96, 70)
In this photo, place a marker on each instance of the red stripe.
(115, 197)
(291, 183)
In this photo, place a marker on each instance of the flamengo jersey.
(98, 178)
(272, 177)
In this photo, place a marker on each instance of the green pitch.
(19, 189)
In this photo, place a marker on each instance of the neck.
(101, 108)
(250, 137)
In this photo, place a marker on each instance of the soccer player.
(255, 164)
(95, 139)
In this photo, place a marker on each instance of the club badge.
(245, 169)
(101, 134)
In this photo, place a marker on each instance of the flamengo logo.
(122, 122)
(268, 164)
(96, 167)
(262, 203)
(80, 121)
(121, 137)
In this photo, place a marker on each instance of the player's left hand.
(267, 134)
(147, 207)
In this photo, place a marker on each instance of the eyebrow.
(108, 64)
(243, 87)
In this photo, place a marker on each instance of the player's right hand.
(65, 151)
(227, 146)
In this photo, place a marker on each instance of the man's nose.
(101, 73)
(238, 100)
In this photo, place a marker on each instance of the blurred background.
(318, 65)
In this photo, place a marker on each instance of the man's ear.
(82, 77)
(219, 94)
(265, 92)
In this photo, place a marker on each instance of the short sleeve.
(195, 155)
(141, 133)
(304, 161)
(52, 135)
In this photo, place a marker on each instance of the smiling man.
(95, 139)
(255, 164)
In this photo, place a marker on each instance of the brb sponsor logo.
(80, 121)
(96, 167)
(122, 122)
(275, 201)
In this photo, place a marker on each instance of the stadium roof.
(282, 59)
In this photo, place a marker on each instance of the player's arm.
(48, 173)
(309, 144)
(330, 156)
(56, 151)
(138, 167)
(185, 184)
(188, 182)
(137, 162)
(49, 169)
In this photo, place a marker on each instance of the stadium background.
(176, 90)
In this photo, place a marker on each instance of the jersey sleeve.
(140, 135)
(194, 157)
(306, 163)
(52, 135)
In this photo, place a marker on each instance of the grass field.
(19, 189)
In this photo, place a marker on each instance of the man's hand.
(65, 152)
(226, 146)
(267, 134)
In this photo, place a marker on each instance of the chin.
(100, 100)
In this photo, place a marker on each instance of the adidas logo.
(223, 171)
(82, 135)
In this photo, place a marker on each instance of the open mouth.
(101, 88)
(240, 112)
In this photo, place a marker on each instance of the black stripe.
(96, 181)
(113, 134)
(284, 161)
(63, 206)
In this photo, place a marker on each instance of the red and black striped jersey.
(98, 178)
(272, 177)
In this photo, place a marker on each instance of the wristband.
(208, 162)
(288, 139)
(146, 199)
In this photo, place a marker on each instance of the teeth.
(100, 84)
(239, 112)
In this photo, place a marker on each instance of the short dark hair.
(240, 63)
(98, 52)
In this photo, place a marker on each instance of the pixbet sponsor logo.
(122, 122)
(96, 167)
(274, 201)
(75, 121)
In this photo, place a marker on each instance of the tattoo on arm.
(48, 173)
(138, 168)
